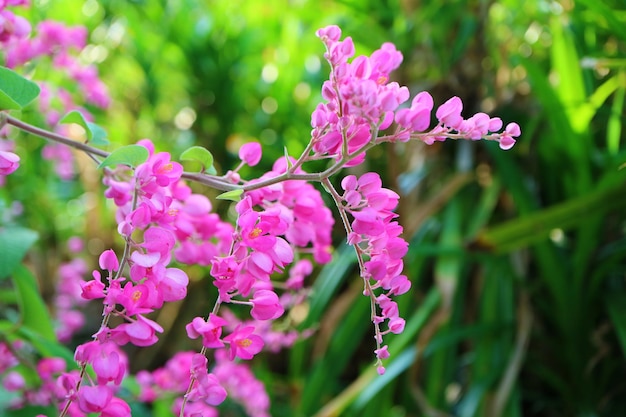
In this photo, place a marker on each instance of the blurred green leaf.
(16, 92)
(130, 155)
(33, 311)
(95, 134)
(14, 243)
(615, 123)
(536, 227)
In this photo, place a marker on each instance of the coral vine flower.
(243, 343)
(9, 162)
(266, 305)
(210, 330)
(250, 153)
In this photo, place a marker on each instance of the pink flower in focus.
(93, 399)
(449, 113)
(266, 305)
(250, 153)
(243, 343)
(108, 260)
(210, 330)
(141, 332)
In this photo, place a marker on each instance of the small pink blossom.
(266, 305)
(243, 343)
(250, 153)
(9, 162)
(108, 260)
(94, 399)
(210, 330)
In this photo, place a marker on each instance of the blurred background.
(517, 258)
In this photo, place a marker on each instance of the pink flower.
(243, 343)
(173, 285)
(93, 289)
(116, 408)
(250, 153)
(210, 330)
(140, 332)
(449, 113)
(93, 399)
(109, 366)
(108, 260)
(266, 305)
(13, 381)
(9, 162)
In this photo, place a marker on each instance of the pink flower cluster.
(377, 236)
(61, 44)
(228, 377)
(145, 202)
(360, 102)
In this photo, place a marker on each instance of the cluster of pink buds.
(361, 102)
(380, 247)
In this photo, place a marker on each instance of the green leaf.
(14, 243)
(95, 134)
(616, 304)
(98, 135)
(47, 348)
(33, 311)
(202, 155)
(131, 155)
(16, 92)
(232, 195)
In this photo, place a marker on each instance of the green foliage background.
(517, 258)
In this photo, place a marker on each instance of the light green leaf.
(16, 92)
(95, 134)
(33, 312)
(232, 195)
(201, 155)
(131, 155)
(14, 243)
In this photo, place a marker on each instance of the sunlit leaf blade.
(16, 92)
(535, 228)
(232, 195)
(98, 135)
(201, 155)
(131, 155)
(77, 117)
(94, 133)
